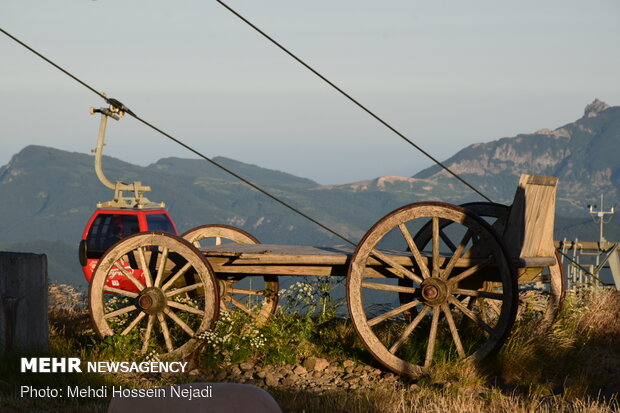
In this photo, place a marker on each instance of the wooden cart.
(426, 273)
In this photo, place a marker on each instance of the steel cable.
(345, 94)
(122, 107)
(119, 105)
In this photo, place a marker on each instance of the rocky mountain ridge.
(584, 154)
(47, 195)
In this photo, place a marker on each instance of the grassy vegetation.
(573, 366)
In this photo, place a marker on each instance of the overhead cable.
(355, 101)
(122, 107)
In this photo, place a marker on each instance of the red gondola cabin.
(107, 226)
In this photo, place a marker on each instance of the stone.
(389, 376)
(246, 366)
(315, 364)
(290, 380)
(348, 363)
(299, 370)
(272, 381)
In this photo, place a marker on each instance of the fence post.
(23, 303)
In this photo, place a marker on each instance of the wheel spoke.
(478, 293)
(165, 331)
(396, 269)
(147, 334)
(432, 337)
(247, 291)
(392, 313)
(495, 307)
(120, 311)
(242, 306)
(408, 330)
(186, 308)
(387, 287)
(183, 289)
(445, 307)
(415, 251)
(218, 240)
(176, 276)
(472, 316)
(435, 245)
(179, 322)
(144, 266)
(133, 323)
(470, 271)
(447, 240)
(453, 254)
(163, 259)
(458, 251)
(129, 275)
(119, 291)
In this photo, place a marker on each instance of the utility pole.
(599, 216)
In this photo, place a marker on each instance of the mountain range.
(47, 195)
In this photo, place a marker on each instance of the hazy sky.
(445, 73)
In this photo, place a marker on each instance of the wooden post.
(23, 303)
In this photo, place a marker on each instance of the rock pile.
(316, 374)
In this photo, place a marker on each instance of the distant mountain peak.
(594, 108)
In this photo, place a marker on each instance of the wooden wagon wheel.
(159, 312)
(550, 302)
(441, 289)
(259, 298)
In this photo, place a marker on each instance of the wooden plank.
(23, 303)
(529, 231)
(278, 265)
(531, 262)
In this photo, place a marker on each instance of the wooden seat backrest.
(529, 229)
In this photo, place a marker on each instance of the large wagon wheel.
(160, 312)
(256, 296)
(443, 324)
(548, 301)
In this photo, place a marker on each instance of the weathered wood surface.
(529, 231)
(23, 302)
(155, 298)
(265, 290)
(320, 261)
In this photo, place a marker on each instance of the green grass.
(572, 366)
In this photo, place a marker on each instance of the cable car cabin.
(107, 226)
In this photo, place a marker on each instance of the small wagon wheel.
(497, 215)
(443, 285)
(259, 297)
(158, 312)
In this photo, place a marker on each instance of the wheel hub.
(434, 291)
(151, 300)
